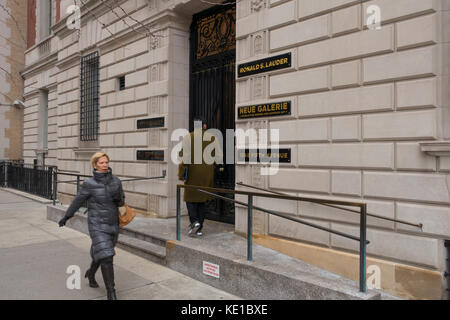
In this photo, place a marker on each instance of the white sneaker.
(199, 233)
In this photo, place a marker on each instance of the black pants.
(196, 212)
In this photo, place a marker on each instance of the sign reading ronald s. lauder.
(264, 65)
(265, 110)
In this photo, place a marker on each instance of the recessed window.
(122, 83)
(89, 97)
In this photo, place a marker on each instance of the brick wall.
(12, 46)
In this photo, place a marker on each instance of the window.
(45, 12)
(43, 120)
(89, 97)
(122, 83)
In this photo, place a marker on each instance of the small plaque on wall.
(265, 110)
(264, 65)
(253, 155)
(155, 155)
(150, 123)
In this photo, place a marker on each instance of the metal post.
(78, 184)
(55, 185)
(362, 249)
(250, 229)
(178, 213)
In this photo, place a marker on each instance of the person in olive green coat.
(196, 175)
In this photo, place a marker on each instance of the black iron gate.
(28, 178)
(212, 89)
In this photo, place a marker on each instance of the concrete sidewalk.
(35, 255)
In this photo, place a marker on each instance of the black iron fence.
(27, 178)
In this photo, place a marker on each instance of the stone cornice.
(436, 148)
(36, 66)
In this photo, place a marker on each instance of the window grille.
(89, 97)
(122, 83)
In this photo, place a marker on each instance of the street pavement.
(41, 261)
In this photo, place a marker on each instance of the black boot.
(90, 274)
(108, 278)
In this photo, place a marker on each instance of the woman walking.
(104, 195)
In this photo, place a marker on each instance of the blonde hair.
(96, 157)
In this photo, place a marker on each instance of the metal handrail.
(78, 181)
(363, 219)
(418, 225)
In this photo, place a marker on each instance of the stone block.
(346, 182)
(282, 206)
(302, 180)
(401, 9)
(136, 48)
(136, 78)
(352, 46)
(444, 164)
(120, 68)
(282, 14)
(400, 125)
(347, 155)
(308, 8)
(410, 157)
(401, 65)
(408, 248)
(346, 74)
(417, 93)
(139, 108)
(300, 33)
(435, 219)
(300, 82)
(417, 32)
(294, 230)
(121, 125)
(346, 128)
(384, 209)
(371, 98)
(406, 186)
(346, 20)
(135, 139)
(302, 130)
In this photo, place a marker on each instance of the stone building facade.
(13, 26)
(369, 117)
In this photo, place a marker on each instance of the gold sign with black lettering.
(265, 110)
(264, 65)
(264, 156)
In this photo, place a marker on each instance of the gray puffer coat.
(104, 195)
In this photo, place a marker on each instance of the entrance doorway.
(212, 90)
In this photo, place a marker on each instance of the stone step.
(130, 232)
(270, 275)
(143, 248)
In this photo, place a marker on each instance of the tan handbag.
(126, 214)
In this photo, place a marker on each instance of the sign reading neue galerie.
(264, 65)
(253, 155)
(265, 110)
